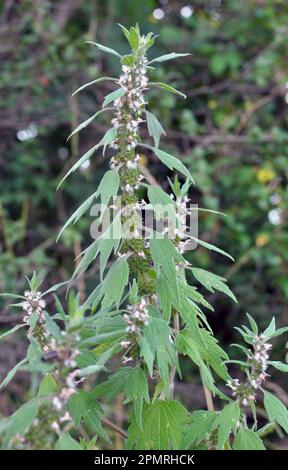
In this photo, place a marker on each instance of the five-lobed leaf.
(83, 407)
(163, 426)
(198, 428)
(246, 439)
(226, 422)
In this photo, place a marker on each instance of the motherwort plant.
(143, 312)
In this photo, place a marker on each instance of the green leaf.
(128, 60)
(34, 356)
(113, 96)
(67, 442)
(163, 426)
(136, 390)
(102, 245)
(12, 372)
(101, 79)
(162, 205)
(157, 346)
(134, 39)
(108, 138)
(156, 196)
(35, 281)
(147, 354)
(211, 247)
(12, 296)
(166, 87)
(164, 255)
(270, 330)
(279, 332)
(83, 406)
(54, 288)
(60, 310)
(21, 421)
(10, 332)
(164, 299)
(87, 122)
(253, 324)
(115, 282)
(47, 386)
(112, 287)
(207, 350)
(154, 128)
(246, 439)
(108, 186)
(276, 410)
(165, 57)
(193, 294)
(114, 385)
(52, 327)
(133, 293)
(125, 31)
(279, 365)
(199, 427)
(105, 248)
(226, 421)
(91, 369)
(105, 48)
(212, 281)
(171, 162)
(78, 213)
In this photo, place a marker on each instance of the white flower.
(57, 403)
(131, 164)
(65, 417)
(128, 188)
(55, 426)
(127, 359)
(66, 393)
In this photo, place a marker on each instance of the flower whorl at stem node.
(33, 304)
(257, 360)
(136, 317)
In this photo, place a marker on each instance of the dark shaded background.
(231, 131)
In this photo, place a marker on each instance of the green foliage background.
(232, 131)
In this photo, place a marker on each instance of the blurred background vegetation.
(231, 131)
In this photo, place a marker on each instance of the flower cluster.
(257, 361)
(136, 318)
(176, 227)
(33, 304)
(65, 357)
(59, 402)
(129, 109)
